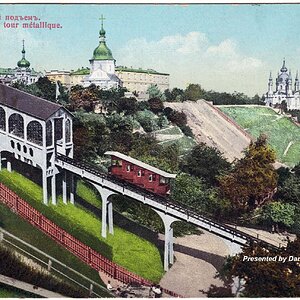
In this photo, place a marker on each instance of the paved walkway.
(198, 258)
(29, 287)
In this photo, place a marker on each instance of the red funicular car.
(139, 173)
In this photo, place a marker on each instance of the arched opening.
(49, 133)
(16, 125)
(35, 133)
(68, 131)
(2, 119)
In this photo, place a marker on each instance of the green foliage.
(193, 92)
(148, 120)
(178, 118)
(154, 92)
(156, 105)
(289, 190)
(128, 106)
(191, 191)
(278, 212)
(174, 95)
(205, 162)
(187, 131)
(253, 179)
(43, 88)
(12, 266)
(267, 278)
(162, 121)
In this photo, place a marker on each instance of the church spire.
(297, 82)
(284, 68)
(23, 63)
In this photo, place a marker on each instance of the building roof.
(140, 164)
(7, 71)
(26, 103)
(140, 70)
(82, 71)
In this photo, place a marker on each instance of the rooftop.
(26, 103)
(140, 164)
(139, 70)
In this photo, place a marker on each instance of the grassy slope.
(11, 292)
(280, 130)
(124, 248)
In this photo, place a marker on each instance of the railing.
(51, 263)
(82, 251)
(167, 202)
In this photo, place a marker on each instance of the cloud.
(193, 58)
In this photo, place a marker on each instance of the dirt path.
(198, 257)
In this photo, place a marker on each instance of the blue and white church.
(284, 90)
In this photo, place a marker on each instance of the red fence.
(82, 251)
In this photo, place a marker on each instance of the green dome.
(23, 63)
(102, 52)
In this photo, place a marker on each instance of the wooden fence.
(82, 251)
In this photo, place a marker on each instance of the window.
(31, 152)
(2, 119)
(12, 144)
(16, 125)
(18, 147)
(35, 133)
(162, 180)
(48, 133)
(150, 178)
(68, 131)
(139, 173)
(24, 149)
(128, 168)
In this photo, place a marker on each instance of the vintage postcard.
(149, 150)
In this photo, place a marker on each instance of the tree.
(193, 192)
(193, 92)
(156, 105)
(177, 117)
(154, 92)
(278, 212)
(174, 95)
(127, 105)
(266, 278)
(289, 190)
(205, 162)
(253, 179)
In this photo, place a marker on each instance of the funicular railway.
(165, 205)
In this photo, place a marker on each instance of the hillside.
(283, 134)
(211, 127)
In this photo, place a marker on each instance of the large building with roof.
(284, 90)
(104, 73)
(22, 73)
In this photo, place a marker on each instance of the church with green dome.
(22, 73)
(102, 65)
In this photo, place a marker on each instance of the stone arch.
(68, 130)
(35, 132)
(16, 125)
(2, 119)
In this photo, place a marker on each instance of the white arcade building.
(284, 90)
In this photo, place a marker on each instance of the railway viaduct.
(39, 133)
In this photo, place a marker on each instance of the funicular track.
(163, 204)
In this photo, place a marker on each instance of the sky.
(224, 48)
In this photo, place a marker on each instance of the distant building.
(284, 90)
(138, 80)
(104, 73)
(22, 73)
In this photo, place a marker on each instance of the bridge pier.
(8, 164)
(64, 186)
(72, 188)
(169, 252)
(53, 188)
(45, 187)
(107, 210)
